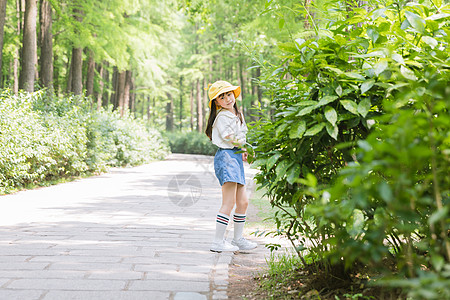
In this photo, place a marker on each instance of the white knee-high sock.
(221, 226)
(239, 222)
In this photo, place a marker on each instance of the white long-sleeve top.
(228, 124)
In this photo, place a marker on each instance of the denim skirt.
(228, 166)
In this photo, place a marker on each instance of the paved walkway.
(133, 233)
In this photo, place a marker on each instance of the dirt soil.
(246, 266)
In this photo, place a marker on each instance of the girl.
(227, 129)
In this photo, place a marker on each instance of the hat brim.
(236, 91)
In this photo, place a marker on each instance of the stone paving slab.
(133, 233)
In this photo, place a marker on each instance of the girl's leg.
(239, 219)
(241, 199)
(228, 201)
(229, 196)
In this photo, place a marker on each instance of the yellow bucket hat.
(220, 87)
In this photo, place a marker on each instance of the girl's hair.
(213, 115)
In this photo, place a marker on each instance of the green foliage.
(358, 147)
(43, 138)
(190, 143)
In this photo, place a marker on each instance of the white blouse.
(225, 124)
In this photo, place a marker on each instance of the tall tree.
(120, 91)
(169, 113)
(199, 107)
(46, 44)
(77, 61)
(27, 74)
(90, 74)
(2, 25)
(77, 71)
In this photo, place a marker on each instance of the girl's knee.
(242, 204)
(226, 209)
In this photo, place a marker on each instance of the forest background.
(348, 102)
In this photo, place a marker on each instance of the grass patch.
(265, 211)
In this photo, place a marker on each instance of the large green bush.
(357, 153)
(44, 138)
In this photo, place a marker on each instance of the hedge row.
(44, 138)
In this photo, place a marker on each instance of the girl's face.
(226, 100)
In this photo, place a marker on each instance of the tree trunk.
(114, 97)
(26, 79)
(169, 113)
(242, 84)
(90, 74)
(192, 109)
(77, 61)
(69, 75)
(132, 96)
(199, 108)
(2, 26)
(205, 101)
(46, 44)
(106, 82)
(126, 93)
(120, 93)
(181, 102)
(258, 88)
(77, 71)
(307, 22)
(100, 86)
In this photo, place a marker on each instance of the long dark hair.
(213, 115)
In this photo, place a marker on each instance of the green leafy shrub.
(44, 138)
(190, 143)
(356, 155)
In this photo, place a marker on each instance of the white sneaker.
(223, 246)
(244, 244)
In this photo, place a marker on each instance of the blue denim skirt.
(228, 166)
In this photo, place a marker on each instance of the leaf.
(331, 115)
(407, 73)
(327, 99)
(297, 130)
(293, 173)
(339, 90)
(272, 160)
(373, 34)
(438, 16)
(281, 168)
(305, 111)
(438, 215)
(416, 21)
(281, 128)
(385, 192)
(398, 58)
(306, 103)
(350, 105)
(335, 70)
(332, 130)
(380, 66)
(315, 129)
(430, 41)
(367, 85)
(378, 13)
(258, 162)
(281, 23)
(300, 41)
(364, 107)
(354, 75)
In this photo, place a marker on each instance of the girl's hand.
(244, 156)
